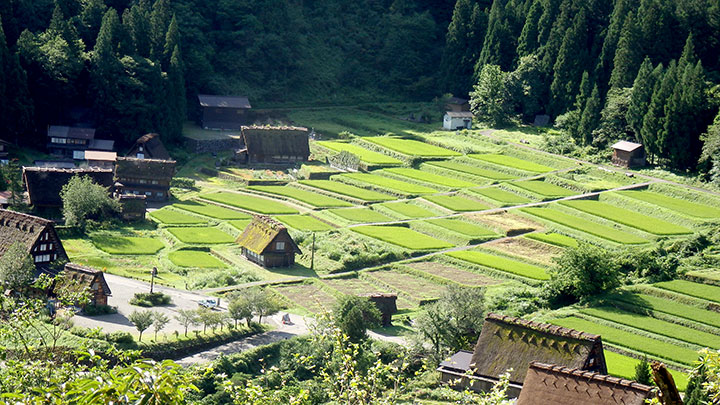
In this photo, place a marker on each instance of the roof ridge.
(67, 170)
(591, 376)
(5, 213)
(80, 267)
(543, 327)
(146, 160)
(274, 127)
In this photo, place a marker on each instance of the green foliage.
(411, 147)
(463, 43)
(354, 315)
(581, 273)
(401, 236)
(83, 199)
(150, 299)
(197, 235)
(17, 269)
(127, 245)
(308, 197)
(141, 320)
(696, 392)
(502, 264)
(489, 100)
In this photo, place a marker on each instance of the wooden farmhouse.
(224, 112)
(148, 177)
(149, 146)
(512, 343)
(457, 104)
(72, 142)
(36, 234)
(559, 385)
(101, 159)
(4, 154)
(132, 207)
(78, 278)
(457, 120)
(628, 154)
(43, 184)
(267, 242)
(274, 145)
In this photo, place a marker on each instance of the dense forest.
(601, 69)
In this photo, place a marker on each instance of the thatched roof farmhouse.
(76, 276)
(149, 177)
(45, 183)
(36, 234)
(275, 144)
(267, 242)
(149, 146)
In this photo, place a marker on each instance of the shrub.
(120, 337)
(581, 273)
(183, 182)
(94, 310)
(150, 299)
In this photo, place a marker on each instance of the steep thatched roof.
(128, 167)
(272, 141)
(507, 342)
(23, 228)
(44, 183)
(549, 384)
(207, 100)
(261, 232)
(83, 277)
(153, 147)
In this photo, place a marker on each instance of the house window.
(279, 245)
(141, 155)
(140, 148)
(78, 154)
(42, 258)
(155, 182)
(43, 247)
(142, 181)
(50, 246)
(58, 140)
(148, 193)
(159, 194)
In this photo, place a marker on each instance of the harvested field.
(473, 170)
(511, 224)
(453, 274)
(365, 155)
(308, 296)
(528, 248)
(417, 288)
(308, 197)
(463, 227)
(358, 286)
(552, 238)
(544, 189)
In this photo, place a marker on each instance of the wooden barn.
(628, 154)
(559, 385)
(36, 234)
(457, 104)
(4, 154)
(149, 146)
(264, 144)
(453, 121)
(148, 177)
(76, 276)
(43, 184)
(512, 343)
(132, 207)
(224, 112)
(267, 242)
(386, 303)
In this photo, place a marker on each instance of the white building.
(457, 120)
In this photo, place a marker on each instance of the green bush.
(120, 337)
(150, 299)
(93, 310)
(183, 182)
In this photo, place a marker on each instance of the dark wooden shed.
(628, 154)
(265, 144)
(267, 242)
(224, 112)
(457, 104)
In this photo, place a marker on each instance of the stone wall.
(213, 145)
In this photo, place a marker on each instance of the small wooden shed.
(77, 276)
(224, 112)
(628, 154)
(457, 120)
(267, 242)
(386, 303)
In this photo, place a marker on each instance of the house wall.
(224, 118)
(47, 248)
(451, 123)
(145, 186)
(626, 159)
(260, 158)
(98, 294)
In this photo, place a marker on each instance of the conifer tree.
(684, 111)
(654, 119)
(607, 55)
(106, 71)
(136, 21)
(90, 21)
(590, 118)
(176, 96)
(497, 48)
(528, 41)
(456, 44)
(172, 41)
(628, 56)
(640, 97)
(569, 65)
(159, 22)
(551, 9)
(551, 39)
(659, 27)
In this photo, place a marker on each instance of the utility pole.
(312, 255)
(153, 273)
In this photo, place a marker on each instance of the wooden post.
(312, 254)
(669, 394)
(153, 273)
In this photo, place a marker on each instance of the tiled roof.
(207, 100)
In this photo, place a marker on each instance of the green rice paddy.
(304, 223)
(463, 227)
(428, 177)
(250, 203)
(689, 208)
(389, 184)
(348, 190)
(626, 217)
(457, 203)
(409, 210)
(204, 236)
(210, 210)
(501, 196)
(502, 264)
(512, 162)
(361, 215)
(240, 223)
(697, 290)
(365, 155)
(401, 236)
(543, 188)
(583, 225)
(308, 197)
(411, 147)
(172, 217)
(194, 258)
(553, 238)
(623, 366)
(670, 307)
(474, 170)
(127, 245)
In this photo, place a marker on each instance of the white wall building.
(457, 120)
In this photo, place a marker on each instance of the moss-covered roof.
(128, 167)
(44, 183)
(23, 228)
(261, 232)
(78, 277)
(271, 141)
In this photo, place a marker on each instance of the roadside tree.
(142, 320)
(85, 200)
(187, 318)
(160, 320)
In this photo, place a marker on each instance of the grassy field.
(670, 307)
(660, 327)
(211, 210)
(502, 264)
(512, 162)
(626, 217)
(409, 210)
(553, 239)
(389, 184)
(239, 223)
(361, 215)
(643, 344)
(201, 235)
(580, 224)
(127, 245)
(417, 288)
(401, 236)
(304, 223)
(308, 197)
(501, 196)
(453, 274)
(473, 170)
(624, 366)
(172, 217)
(308, 296)
(689, 208)
(463, 227)
(412, 147)
(536, 252)
(366, 156)
(543, 188)
(250, 203)
(348, 190)
(194, 258)
(428, 177)
(697, 290)
(457, 203)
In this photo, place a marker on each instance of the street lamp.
(153, 273)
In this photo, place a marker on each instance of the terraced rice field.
(211, 210)
(457, 203)
(544, 189)
(403, 237)
(553, 238)
(387, 183)
(239, 223)
(512, 162)
(366, 156)
(304, 223)
(250, 203)
(463, 227)
(409, 210)
(308, 197)
(651, 302)
(622, 338)
(172, 217)
(361, 215)
(428, 177)
(527, 248)
(624, 367)
(411, 147)
(358, 286)
(500, 263)
(348, 190)
(308, 296)
(196, 235)
(473, 170)
(583, 225)
(626, 217)
(652, 325)
(502, 196)
(127, 245)
(194, 258)
(453, 274)
(685, 207)
(416, 288)
(697, 290)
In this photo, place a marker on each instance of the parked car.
(208, 303)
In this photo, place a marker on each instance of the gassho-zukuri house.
(512, 343)
(267, 242)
